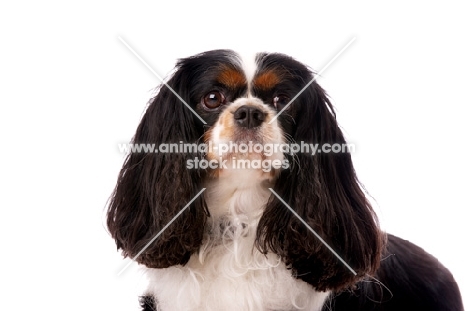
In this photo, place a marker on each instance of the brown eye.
(213, 100)
(280, 101)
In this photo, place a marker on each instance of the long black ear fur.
(324, 191)
(153, 187)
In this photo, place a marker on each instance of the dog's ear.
(324, 191)
(153, 187)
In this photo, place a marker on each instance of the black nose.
(249, 117)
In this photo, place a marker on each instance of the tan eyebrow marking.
(231, 78)
(266, 80)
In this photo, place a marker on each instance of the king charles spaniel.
(256, 205)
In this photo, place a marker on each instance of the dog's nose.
(249, 117)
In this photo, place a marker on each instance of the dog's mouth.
(231, 139)
(247, 136)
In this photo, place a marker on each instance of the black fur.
(323, 190)
(153, 187)
(408, 279)
(148, 303)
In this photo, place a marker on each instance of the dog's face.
(231, 82)
(245, 102)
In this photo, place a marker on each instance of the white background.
(71, 91)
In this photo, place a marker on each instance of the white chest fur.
(229, 273)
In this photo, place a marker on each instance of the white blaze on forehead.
(249, 65)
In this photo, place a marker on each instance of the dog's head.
(263, 106)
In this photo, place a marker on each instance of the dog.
(256, 205)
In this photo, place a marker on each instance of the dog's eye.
(280, 101)
(213, 100)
